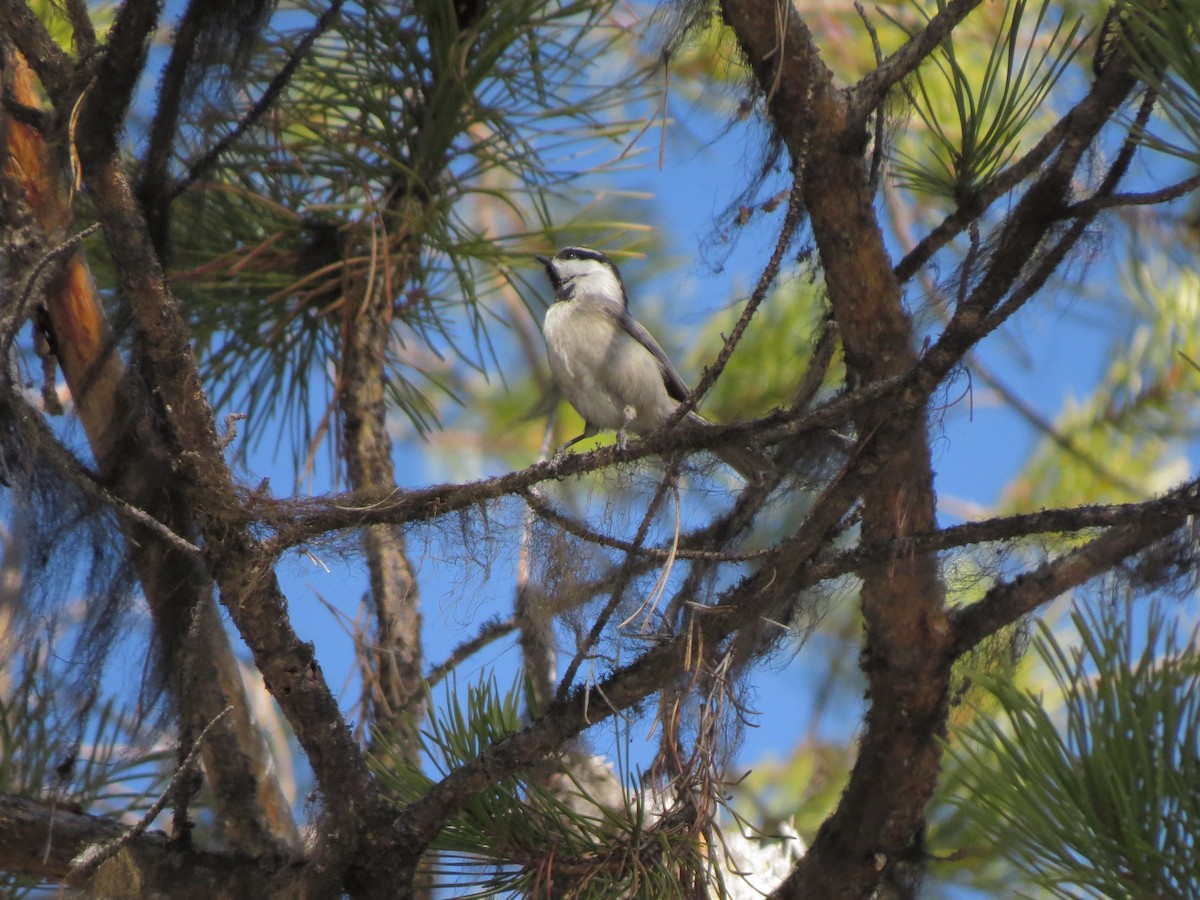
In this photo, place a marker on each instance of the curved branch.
(1005, 603)
(54, 68)
(1093, 205)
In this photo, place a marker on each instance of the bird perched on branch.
(608, 365)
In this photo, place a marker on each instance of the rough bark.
(41, 840)
(197, 660)
(394, 658)
(880, 820)
(873, 841)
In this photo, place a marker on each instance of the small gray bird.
(610, 367)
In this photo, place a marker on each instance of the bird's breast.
(602, 369)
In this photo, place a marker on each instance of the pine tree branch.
(252, 595)
(1092, 205)
(871, 90)
(148, 859)
(420, 822)
(881, 812)
(107, 96)
(301, 521)
(1005, 603)
(93, 857)
(54, 68)
(195, 659)
(1073, 128)
(274, 90)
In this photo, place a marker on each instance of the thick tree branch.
(53, 67)
(107, 97)
(196, 663)
(30, 828)
(881, 814)
(250, 592)
(1077, 128)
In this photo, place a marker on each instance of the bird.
(609, 367)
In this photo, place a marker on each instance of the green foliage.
(991, 110)
(761, 374)
(61, 749)
(1101, 800)
(527, 832)
(1164, 38)
(53, 14)
(1121, 442)
(415, 155)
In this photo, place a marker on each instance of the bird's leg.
(589, 430)
(630, 415)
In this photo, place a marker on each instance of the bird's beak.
(544, 260)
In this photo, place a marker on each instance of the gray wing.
(674, 384)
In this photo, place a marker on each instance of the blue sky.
(978, 446)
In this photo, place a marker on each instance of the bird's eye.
(580, 253)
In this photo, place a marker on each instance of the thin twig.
(86, 863)
(766, 279)
(618, 591)
(270, 95)
(874, 86)
(491, 631)
(70, 467)
(573, 526)
(40, 267)
(1150, 198)
(877, 149)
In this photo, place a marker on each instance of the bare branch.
(1005, 603)
(1095, 204)
(87, 862)
(795, 212)
(619, 583)
(491, 630)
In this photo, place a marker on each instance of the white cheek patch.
(589, 277)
